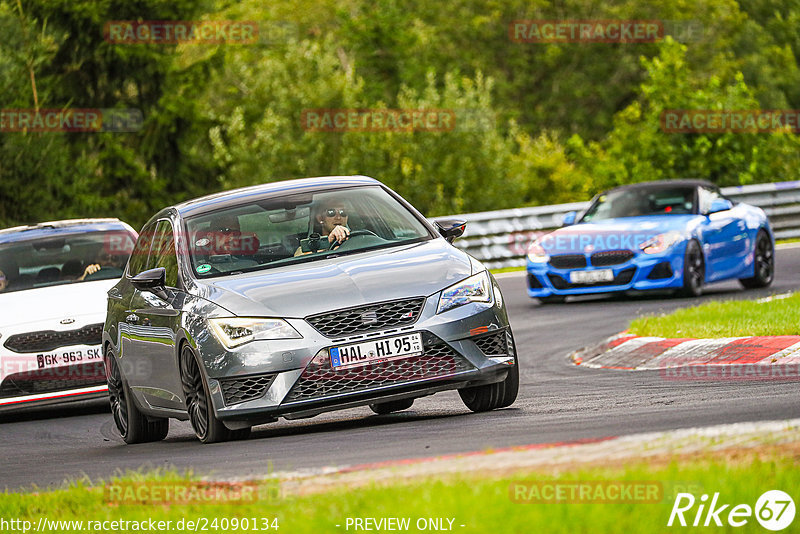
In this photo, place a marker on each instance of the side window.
(141, 250)
(707, 196)
(163, 254)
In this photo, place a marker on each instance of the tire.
(133, 426)
(694, 270)
(205, 424)
(552, 299)
(382, 408)
(492, 396)
(763, 263)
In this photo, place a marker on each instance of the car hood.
(54, 303)
(620, 233)
(297, 291)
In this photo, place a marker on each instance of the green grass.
(730, 318)
(507, 269)
(482, 505)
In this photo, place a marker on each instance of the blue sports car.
(674, 234)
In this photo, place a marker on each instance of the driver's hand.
(91, 269)
(339, 233)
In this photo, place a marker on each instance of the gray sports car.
(296, 298)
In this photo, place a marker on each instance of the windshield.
(64, 259)
(644, 201)
(294, 229)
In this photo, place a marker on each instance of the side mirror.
(719, 204)
(569, 218)
(153, 280)
(451, 228)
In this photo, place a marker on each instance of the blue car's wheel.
(763, 263)
(694, 270)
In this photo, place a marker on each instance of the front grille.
(494, 344)
(54, 379)
(623, 277)
(45, 340)
(367, 318)
(245, 388)
(534, 282)
(438, 360)
(568, 261)
(661, 271)
(611, 257)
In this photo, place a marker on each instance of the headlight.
(661, 242)
(474, 289)
(235, 331)
(536, 253)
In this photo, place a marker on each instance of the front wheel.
(133, 426)
(492, 396)
(205, 424)
(694, 270)
(763, 263)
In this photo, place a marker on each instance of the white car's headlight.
(661, 242)
(235, 331)
(476, 288)
(537, 254)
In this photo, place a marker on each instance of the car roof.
(663, 184)
(234, 197)
(66, 227)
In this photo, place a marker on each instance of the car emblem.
(369, 317)
(588, 248)
(67, 321)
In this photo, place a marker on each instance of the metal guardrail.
(501, 238)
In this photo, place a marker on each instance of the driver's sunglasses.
(332, 213)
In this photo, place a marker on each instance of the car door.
(125, 319)
(724, 237)
(153, 320)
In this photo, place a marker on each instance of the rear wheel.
(763, 263)
(694, 270)
(492, 396)
(207, 427)
(133, 426)
(382, 408)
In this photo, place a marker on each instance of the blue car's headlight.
(537, 254)
(235, 331)
(476, 288)
(661, 242)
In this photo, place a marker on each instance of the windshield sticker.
(202, 242)
(204, 268)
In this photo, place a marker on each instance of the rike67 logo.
(774, 510)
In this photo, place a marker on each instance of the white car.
(53, 282)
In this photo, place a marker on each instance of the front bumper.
(466, 346)
(642, 272)
(39, 366)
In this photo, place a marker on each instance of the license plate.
(378, 350)
(591, 277)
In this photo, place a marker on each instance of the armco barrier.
(501, 238)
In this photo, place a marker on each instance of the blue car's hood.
(300, 290)
(612, 234)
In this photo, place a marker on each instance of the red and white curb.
(637, 353)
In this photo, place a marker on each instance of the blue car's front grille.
(611, 257)
(568, 261)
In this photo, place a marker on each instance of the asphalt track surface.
(558, 402)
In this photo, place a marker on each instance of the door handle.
(132, 318)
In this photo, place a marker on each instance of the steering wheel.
(353, 233)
